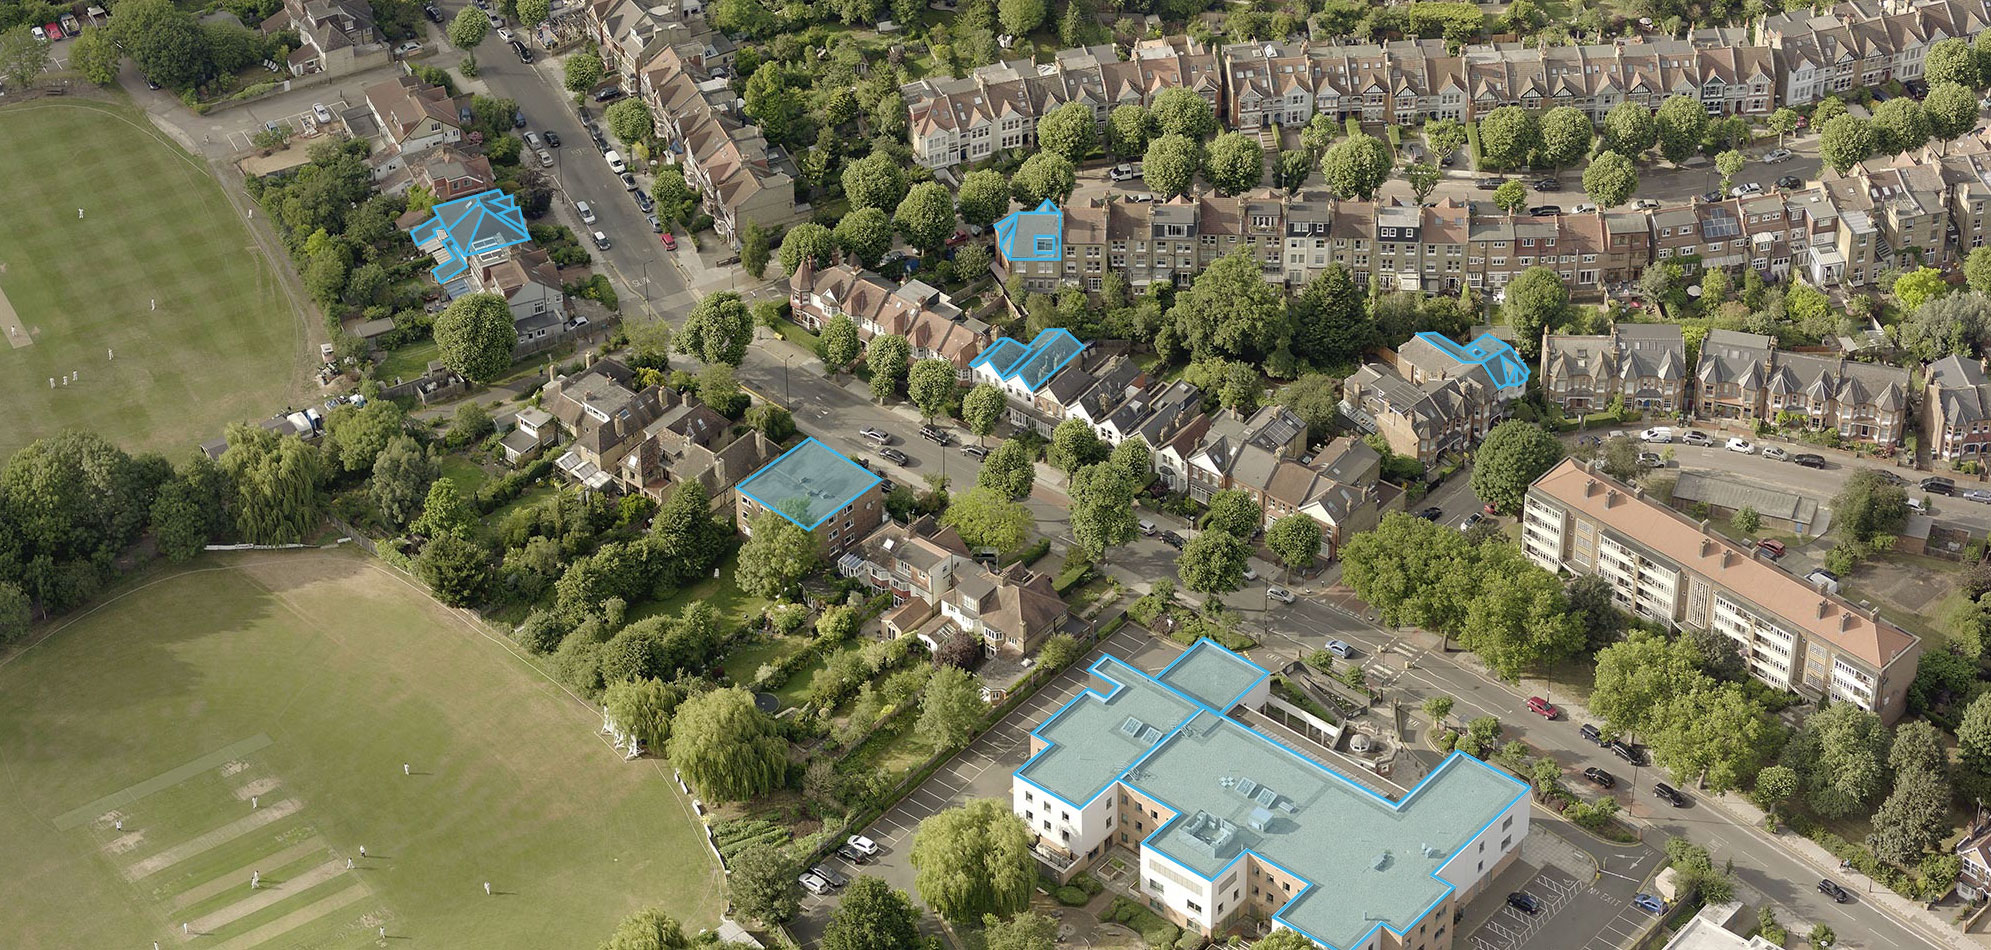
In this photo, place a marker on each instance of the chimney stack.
(1824, 607)
(1705, 545)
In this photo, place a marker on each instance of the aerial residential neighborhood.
(996, 475)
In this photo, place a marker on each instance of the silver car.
(813, 884)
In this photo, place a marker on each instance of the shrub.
(1088, 884)
(1071, 896)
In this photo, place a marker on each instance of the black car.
(1544, 211)
(935, 435)
(975, 452)
(1546, 184)
(1889, 477)
(1524, 902)
(552, 138)
(1172, 539)
(1938, 485)
(1808, 460)
(1671, 794)
(833, 879)
(429, 10)
(1489, 184)
(851, 854)
(1713, 196)
(612, 92)
(1627, 752)
(1790, 181)
(524, 55)
(601, 142)
(1448, 161)
(1432, 513)
(1599, 777)
(1831, 888)
(518, 118)
(1592, 733)
(645, 202)
(894, 455)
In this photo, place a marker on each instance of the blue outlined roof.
(469, 226)
(808, 484)
(1035, 364)
(1227, 790)
(1037, 235)
(1502, 363)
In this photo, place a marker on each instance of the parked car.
(832, 878)
(1628, 752)
(1584, 208)
(1889, 477)
(533, 141)
(1524, 902)
(1646, 204)
(1671, 794)
(851, 854)
(429, 10)
(669, 241)
(975, 452)
(1489, 509)
(1592, 733)
(324, 115)
(1432, 513)
(601, 241)
(615, 163)
(1745, 189)
(524, 55)
(1978, 495)
(656, 226)
(552, 139)
(407, 48)
(1600, 778)
(1656, 434)
(1696, 437)
(629, 182)
(895, 456)
(643, 201)
(1790, 181)
(1651, 460)
(1489, 184)
(1121, 173)
(1545, 184)
(1737, 443)
(1771, 547)
(587, 212)
(1250, 573)
(607, 93)
(875, 435)
(1471, 521)
(1775, 453)
(936, 435)
(1937, 485)
(1649, 904)
(1280, 594)
(1809, 460)
(1776, 155)
(1339, 648)
(813, 884)
(862, 845)
(1831, 888)
(1172, 539)
(545, 159)
(1545, 211)
(1543, 708)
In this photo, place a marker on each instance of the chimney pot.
(1824, 607)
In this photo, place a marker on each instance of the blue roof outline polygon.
(466, 227)
(1506, 367)
(799, 468)
(1042, 232)
(1035, 364)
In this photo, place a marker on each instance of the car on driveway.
(1543, 708)
(1771, 548)
(1809, 460)
(324, 115)
(813, 884)
(1649, 904)
(1831, 888)
(1340, 649)
(1671, 794)
(1471, 521)
(1696, 437)
(851, 854)
(1600, 778)
(894, 456)
(1775, 453)
(1524, 902)
(862, 845)
(1280, 594)
(832, 878)
(429, 10)
(1737, 443)
(1432, 513)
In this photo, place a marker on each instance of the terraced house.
(740, 177)
(1644, 364)
(1861, 43)
(1667, 567)
(1743, 376)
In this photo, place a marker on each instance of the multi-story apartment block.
(1861, 43)
(996, 107)
(836, 500)
(1645, 364)
(1956, 409)
(927, 318)
(1670, 569)
(1743, 376)
(1222, 823)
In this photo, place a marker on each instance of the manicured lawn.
(467, 475)
(306, 680)
(734, 605)
(224, 344)
(744, 661)
(407, 362)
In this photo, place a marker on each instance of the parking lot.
(980, 771)
(1583, 888)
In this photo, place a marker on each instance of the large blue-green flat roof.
(1367, 861)
(808, 483)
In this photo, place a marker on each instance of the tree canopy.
(974, 859)
(475, 336)
(725, 748)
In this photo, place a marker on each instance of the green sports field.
(225, 343)
(252, 714)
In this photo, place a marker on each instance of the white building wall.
(1180, 888)
(1482, 854)
(1075, 828)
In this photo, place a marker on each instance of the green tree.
(1236, 163)
(875, 181)
(930, 383)
(1213, 563)
(1357, 166)
(1231, 312)
(1508, 135)
(1511, 196)
(1681, 124)
(983, 408)
(1537, 303)
(582, 73)
(777, 555)
(717, 330)
(677, 203)
(1511, 457)
(684, 535)
(402, 474)
(1437, 708)
(1029, 931)
(984, 197)
(1019, 17)
(1044, 176)
(1423, 179)
(630, 121)
(807, 242)
(1918, 286)
(1868, 506)
(756, 246)
(1746, 520)
(865, 234)
(1847, 141)
(1821, 937)
(468, 29)
(1011, 469)
(1717, 734)
(1068, 130)
(727, 749)
(1519, 618)
(1233, 511)
(1951, 110)
(973, 859)
(1631, 129)
(1638, 675)
(643, 708)
(1828, 108)
(874, 916)
(474, 336)
(533, 12)
(926, 216)
(647, 929)
(1977, 269)
(1102, 509)
(355, 437)
(16, 613)
(889, 358)
(166, 42)
(1775, 785)
(1074, 445)
(454, 567)
(1951, 61)
(1900, 125)
(1331, 321)
(1610, 179)
(950, 709)
(1728, 163)
(1566, 136)
(1171, 163)
(840, 344)
(1784, 122)
(179, 523)
(94, 54)
(1914, 818)
(1133, 460)
(277, 484)
(1180, 111)
(1840, 756)
(760, 883)
(1127, 130)
(443, 512)
(986, 517)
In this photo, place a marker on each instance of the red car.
(670, 243)
(957, 239)
(54, 31)
(1543, 708)
(1772, 547)
(1490, 508)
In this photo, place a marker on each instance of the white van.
(615, 162)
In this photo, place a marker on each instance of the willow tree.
(974, 860)
(726, 748)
